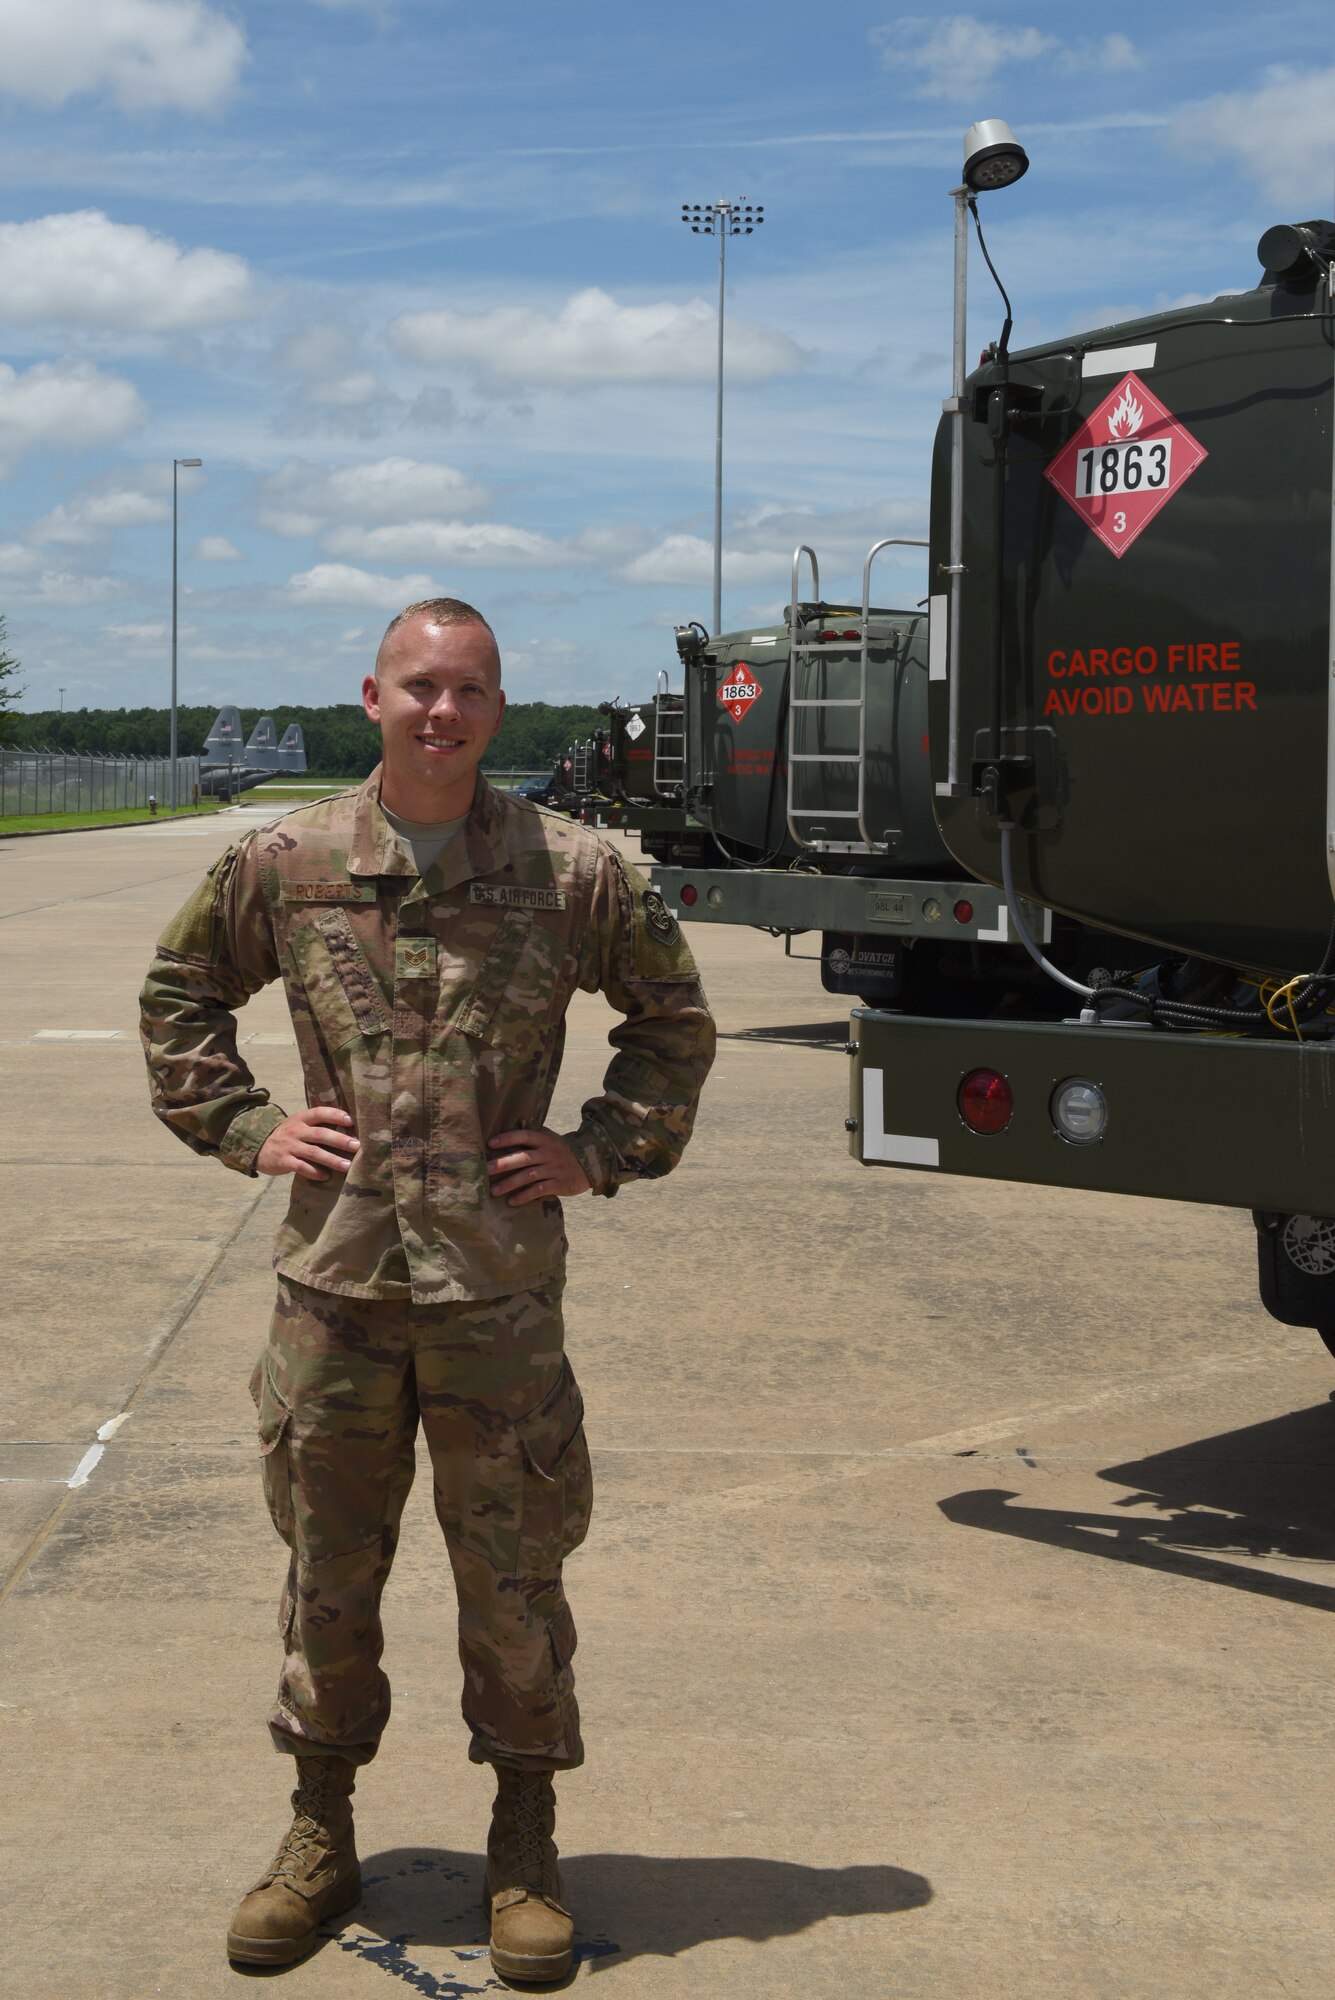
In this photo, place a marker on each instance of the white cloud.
(105, 505)
(336, 387)
(592, 340)
(216, 548)
(689, 559)
(340, 584)
(86, 270)
(300, 498)
(65, 590)
(476, 544)
(66, 403)
(957, 55)
(17, 559)
(140, 634)
(758, 548)
(95, 515)
(145, 54)
(1280, 134)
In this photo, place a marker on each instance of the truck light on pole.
(993, 158)
(177, 463)
(722, 219)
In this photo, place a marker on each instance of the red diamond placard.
(739, 690)
(1125, 463)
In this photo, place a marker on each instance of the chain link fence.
(51, 781)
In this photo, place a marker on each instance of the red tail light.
(985, 1101)
(964, 911)
(689, 892)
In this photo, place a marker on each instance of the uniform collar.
(377, 850)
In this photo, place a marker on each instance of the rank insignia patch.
(415, 958)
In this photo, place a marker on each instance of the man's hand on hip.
(534, 1166)
(313, 1144)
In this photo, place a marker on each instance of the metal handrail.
(890, 542)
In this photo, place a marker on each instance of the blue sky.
(411, 278)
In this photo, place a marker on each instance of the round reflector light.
(985, 1101)
(1079, 1111)
(964, 911)
(689, 892)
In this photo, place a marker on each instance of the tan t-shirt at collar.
(426, 839)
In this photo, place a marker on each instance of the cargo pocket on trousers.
(558, 1480)
(275, 1469)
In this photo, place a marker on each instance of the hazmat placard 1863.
(1124, 464)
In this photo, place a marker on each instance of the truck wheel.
(1296, 1270)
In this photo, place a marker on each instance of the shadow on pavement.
(626, 1906)
(1263, 1491)
(800, 1034)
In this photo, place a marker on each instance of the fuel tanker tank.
(807, 741)
(1140, 677)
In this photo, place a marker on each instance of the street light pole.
(62, 701)
(175, 784)
(993, 158)
(722, 219)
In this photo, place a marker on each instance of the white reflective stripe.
(900, 1148)
(1002, 933)
(936, 638)
(1119, 360)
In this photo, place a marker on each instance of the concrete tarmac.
(951, 1621)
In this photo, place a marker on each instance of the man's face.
(438, 703)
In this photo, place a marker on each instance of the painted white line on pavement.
(86, 1467)
(76, 1035)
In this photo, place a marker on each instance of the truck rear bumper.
(788, 900)
(1189, 1117)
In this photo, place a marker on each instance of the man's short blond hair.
(437, 611)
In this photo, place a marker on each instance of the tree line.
(340, 740)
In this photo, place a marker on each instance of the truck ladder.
(800, 649)
(670, 742)
(583, 766)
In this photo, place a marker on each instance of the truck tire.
(1295, 1259)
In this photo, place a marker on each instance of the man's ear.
(371, 697)
(500, 713)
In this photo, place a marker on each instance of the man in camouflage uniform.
(430, 933)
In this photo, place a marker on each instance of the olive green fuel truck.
(1130, 726)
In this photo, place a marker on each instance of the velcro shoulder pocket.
(196, 930)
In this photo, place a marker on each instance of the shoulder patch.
(658, 917)
(658, 951)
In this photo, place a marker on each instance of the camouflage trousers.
(340, 1389)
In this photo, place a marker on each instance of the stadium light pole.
(177, 463)
(722, 219)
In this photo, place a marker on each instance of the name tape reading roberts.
(517, 898)
(329, 892)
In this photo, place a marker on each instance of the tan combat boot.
(315, 1873)
(531, 1930)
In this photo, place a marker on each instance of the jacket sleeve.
(635, 953)
(214, 954)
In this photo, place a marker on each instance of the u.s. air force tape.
(513, 896)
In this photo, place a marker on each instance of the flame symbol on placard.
(1126, 419)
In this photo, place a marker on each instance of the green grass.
(298, 795)
(117, 816)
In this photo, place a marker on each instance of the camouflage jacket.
(431, 1008)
